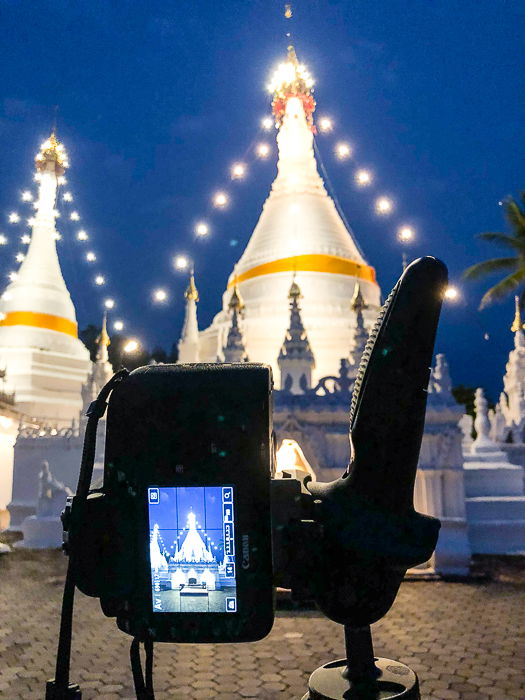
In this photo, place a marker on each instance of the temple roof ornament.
(296, 345)
(191, 292)
(234, 350)
(52, 151)
(360, 333)
(518, 325)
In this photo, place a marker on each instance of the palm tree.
(514, 265)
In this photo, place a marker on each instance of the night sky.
(157, 99)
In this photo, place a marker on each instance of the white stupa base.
(452, 555)
(41, 533)
(47, 384)
(4, 548)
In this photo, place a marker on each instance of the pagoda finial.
(52, 151)
(103, 339)
(517, 325)
(191, 292)
(292, 79)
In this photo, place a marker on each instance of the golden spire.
(517, 325)
(357, 303)
(103, 339)
(236, 302)
(292, 56)
(191, 293)
(288, 11)
(52, 151)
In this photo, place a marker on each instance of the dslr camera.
(190, 534)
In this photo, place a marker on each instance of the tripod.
(361, 676)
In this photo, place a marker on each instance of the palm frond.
(487, 267)
(515, 216)
(503, 288)
(504, 239)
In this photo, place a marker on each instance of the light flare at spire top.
(51, 150)
(292, 79)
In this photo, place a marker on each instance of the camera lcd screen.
(192, 549)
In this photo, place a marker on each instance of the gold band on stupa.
(310, 263)
(38, 320)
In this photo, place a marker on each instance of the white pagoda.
(46, 363)
(299, 233)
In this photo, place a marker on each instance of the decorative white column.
(189, 339)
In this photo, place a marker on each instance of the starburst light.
(160, 295)
(202, 229)
(384, 206)
(343, 150)
(263, 150)
(363, 177)
(100, 280)
(74, 216)
(238, 171)
(27, 196)
(14, 218)
(220, 199)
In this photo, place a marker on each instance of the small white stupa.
(299, 232)
(46, 362)
(189, 340)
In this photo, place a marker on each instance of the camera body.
(177, 543)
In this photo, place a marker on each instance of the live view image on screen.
(192, 550)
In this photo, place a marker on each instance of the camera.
(189, 534)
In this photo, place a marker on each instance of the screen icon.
(227, 494)
(227, 510)
(153, 496)
(230, 570)
(231, 604)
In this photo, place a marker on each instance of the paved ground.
(465, 640)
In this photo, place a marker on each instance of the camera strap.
(60, 688)
(143, 688)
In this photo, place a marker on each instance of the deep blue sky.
(158, 98)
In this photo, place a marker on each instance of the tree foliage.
(513, 264)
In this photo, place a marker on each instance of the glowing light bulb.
(363, 178)
(56, 213)
(238, 171)
(201, 229)
(451, 293)
(160, 295)
(406, 234)
(74, 216)
(384, 206)
(267, 123)
(58, 236)
(82, 235)
(181, 262)
(343, 151)
(263, 150)
(220, 199)
(61, 180)
(14, 218)
(325, 125)
(20, 257)
(118, 325)
(99, 279)
(3, 239)
(131, 346)
(12, 276)
(31, 221)
(91, 257)
(25, 239)
(27, 196)
(109, 303)
(67, 197)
